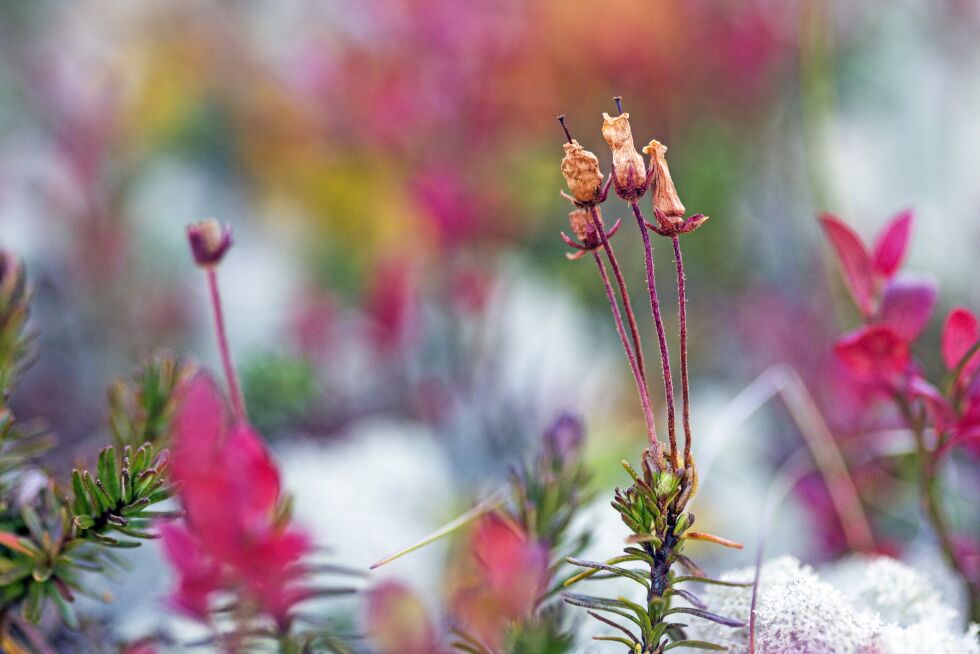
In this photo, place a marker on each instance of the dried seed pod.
(628, 169)
(665, 198)
(581, 170)
(209, 241)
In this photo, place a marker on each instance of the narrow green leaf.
(81, 503)
(615, 639)
(83, 522)
(621, 572)
(696, 644)
(716, 582)
(480, 509)
(96, 496)
(142, 459)
(109, 474)
(33, 604)
(65, 609)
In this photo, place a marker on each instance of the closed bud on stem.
(629, 172)
(665, 198)
(209, 241)
(581, 170)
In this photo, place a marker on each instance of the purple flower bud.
(209, 241)
(564, 436)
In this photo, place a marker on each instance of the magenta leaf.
(960, 333)
(854, 259)
(907, 305)
(892, 244)
(874, 354)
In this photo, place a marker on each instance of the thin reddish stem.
(931, 504)
(621, 330)
(624, 294)
(219, 323)
(682, 316)
(661, 333)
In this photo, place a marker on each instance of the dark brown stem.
(624, 294)
(682, 316)
(568, 135)
(929, 490)
(661, 332)
(621, 330)
(219, 323)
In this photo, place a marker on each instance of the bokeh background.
(399, 302)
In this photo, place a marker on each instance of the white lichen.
(874, 606)
(899, 594)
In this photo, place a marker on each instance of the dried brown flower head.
(581, 170)
(665, 198)
(628, 168)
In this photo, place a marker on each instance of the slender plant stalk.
(219, 322)
(682, 316)
(623, 293)
(929, 490)
(661, 333)
(621, 330)
(784, 382)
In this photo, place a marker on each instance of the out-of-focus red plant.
(895, 310)
(230, 491)
(398, 622)
(502, 582)
(509, 576)
(237, 540)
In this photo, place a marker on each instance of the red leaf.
(907, 305)
(892, 244)
(960, 333)
(874, 354)
(199, 576)
(246, 454)
(12, 541)
(854, 259)
(200, 419)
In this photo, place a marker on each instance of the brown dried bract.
(584, 227)
(581, 170)
(665, 196)
(628, 167)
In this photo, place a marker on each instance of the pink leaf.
(854, 260)
(907, 305)
(961, 332)
(874, 354)
(892, 244)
